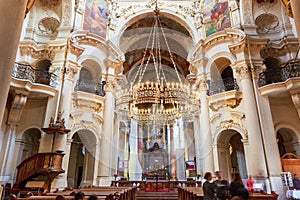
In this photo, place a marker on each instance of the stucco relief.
(48, 25)
(243, 71)
(267, 23)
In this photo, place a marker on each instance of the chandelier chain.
(171, 55)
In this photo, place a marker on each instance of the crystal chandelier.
(159, 102)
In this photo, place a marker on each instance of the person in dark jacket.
(222, 187)
(237, 187)
(208, 187)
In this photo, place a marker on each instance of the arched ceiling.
(134, 39)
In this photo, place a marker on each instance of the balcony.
(26, 72)
(223, 85)
(289, 70)
(89, 86)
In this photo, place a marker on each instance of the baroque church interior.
(105, 90)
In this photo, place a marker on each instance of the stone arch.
(98, 71)
(83, 163)
(233, 126)
(287, 141)
(28, 143)
(166, 12)
(92, 130)
(231, 153)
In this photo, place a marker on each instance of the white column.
(96, 164)
(135, 169)
(11, 19)
(106, 136)
(206, 153)
(6, 170)
(197, 139)
(256, 164)
(9, 156)
(61, 180)
(270, 142)
(60, 142)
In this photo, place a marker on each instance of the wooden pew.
(196, 193)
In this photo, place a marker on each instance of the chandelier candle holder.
(161, 101)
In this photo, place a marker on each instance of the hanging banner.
(123, 164)
(190, 165)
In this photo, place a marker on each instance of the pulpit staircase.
(41, 167)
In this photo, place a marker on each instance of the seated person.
(296, 182)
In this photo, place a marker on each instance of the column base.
(60, 182)
(276, 186)
(105, 181)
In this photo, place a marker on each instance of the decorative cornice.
(231, 99)
(30, 87)
(250, 47)
(230, 36)
(83, 101)
(87, 38)
(285, 46)
(49, 50)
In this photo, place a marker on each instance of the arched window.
(41, 73)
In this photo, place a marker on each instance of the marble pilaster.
(11, 25)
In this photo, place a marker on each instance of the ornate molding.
(231, 124)
(244, 71)
(287, 5)
(87, 101)
(231, 99)
(16, 109)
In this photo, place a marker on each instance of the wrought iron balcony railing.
(26, 72)
(222, 86)
(89, 86)
(289, 70)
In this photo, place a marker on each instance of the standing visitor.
(237, 187)
(222, 187)
(208, 187)
(250, 182)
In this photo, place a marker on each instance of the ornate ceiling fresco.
(139, 32)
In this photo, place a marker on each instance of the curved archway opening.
(29, 143)
(81, 170)
(287, 142)
(231, 154)
(222, 78)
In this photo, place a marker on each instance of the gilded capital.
(243, 71)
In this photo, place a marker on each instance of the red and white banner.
(190, 165)
(123, 164)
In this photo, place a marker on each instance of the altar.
(155, 165)
(157, 186)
